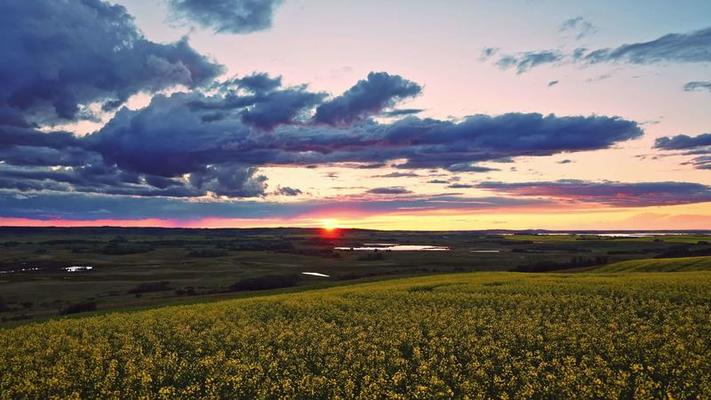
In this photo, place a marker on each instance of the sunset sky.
(369, 114)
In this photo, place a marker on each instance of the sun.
(330, 229)
(329, 225)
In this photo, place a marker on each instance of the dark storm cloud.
(697, 86)
(697, 146)
(227, 16)
(370, 96)
(620, 194)
(59, 56)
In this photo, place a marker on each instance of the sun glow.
(329, 225)
(329, 228)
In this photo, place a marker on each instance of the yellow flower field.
(478, 335)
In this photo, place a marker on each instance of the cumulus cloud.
(621, 194)
(697, 86)
(212, 139)
(91, 52)
(171, 137)
(370, 96)
(226, 16)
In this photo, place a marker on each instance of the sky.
(417, 115)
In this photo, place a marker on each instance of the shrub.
(265, 282)
(78, 308)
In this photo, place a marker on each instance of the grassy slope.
(487, 334)
(659, 265)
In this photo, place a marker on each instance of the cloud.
(461, 186)
(397, 175)
(697, 85)
(528, 60)
(389, 190)
(692, 47)
(579, 26)
(371, 96)
(91, 52)
(401, 112)
(87, 207)
(697, 146)
(619, 194)
(226, 16)
(171, 137)
(288, 191)
(213, 141)
(683, 142)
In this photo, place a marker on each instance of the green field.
(473, 335)
(659, 265)
(144, 267)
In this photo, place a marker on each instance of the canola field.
(476, 335)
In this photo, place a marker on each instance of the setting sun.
(329, 225)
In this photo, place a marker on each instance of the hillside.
(477, 335)
(659, 265)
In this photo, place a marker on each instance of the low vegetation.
(475, 335)
(660, 265)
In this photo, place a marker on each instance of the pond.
(26, 269)
(78, 268)
(316, 274)
(394, 247)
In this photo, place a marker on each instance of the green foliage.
(479, 335)
(660, 265)
(266, 282)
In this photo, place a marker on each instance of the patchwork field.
(44, 272)
(473, 335)
(659, 265)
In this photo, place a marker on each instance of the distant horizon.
(531, 230)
